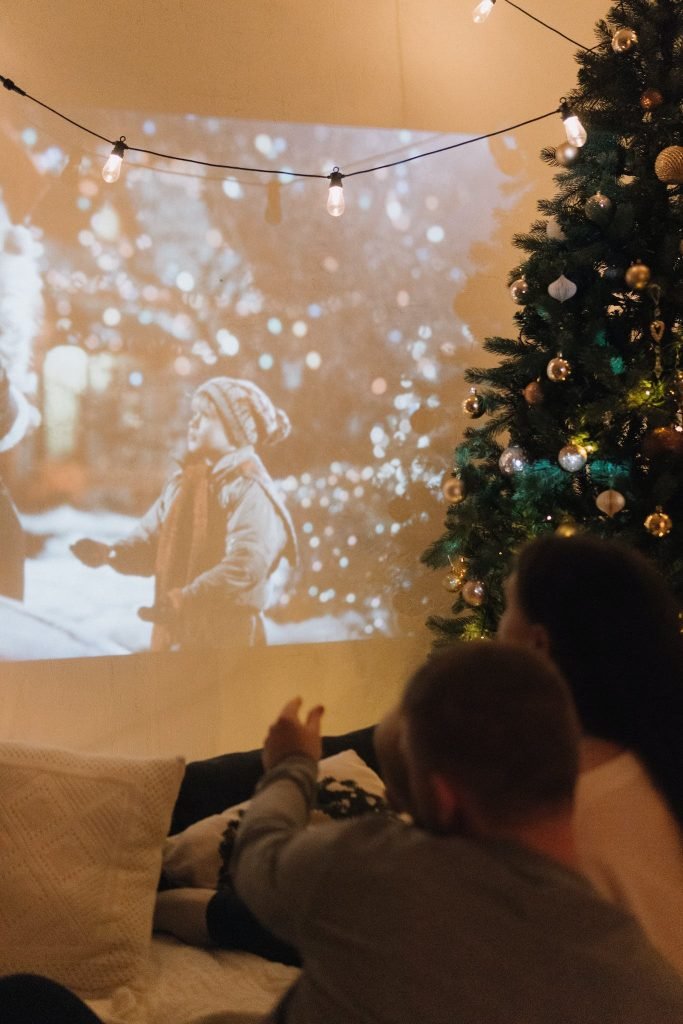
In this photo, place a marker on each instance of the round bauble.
(598, 208)
(453, 490)
(452, 582)
(473, 593)
(663, 441)
(533, 393)
(651, 99)
(572, 457)
(519, 290)
(624, 40)
(669, 165)
(658, 523)
(473, 405)
(513, 460)
(562, 289)
(566, 154)
(610, 502)
(637, 276)
(558, 369)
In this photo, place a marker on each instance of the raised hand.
(289, 735)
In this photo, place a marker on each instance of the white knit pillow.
(80, 849)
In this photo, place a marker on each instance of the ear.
(539, 638)
(447, 803)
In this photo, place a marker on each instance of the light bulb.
(482, 11)
(112, 167)
(335, 196)
(576, 133)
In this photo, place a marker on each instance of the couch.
(83, 841)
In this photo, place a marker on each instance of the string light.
(335, 195)
(576, 133)
(112, 167)
(482, 11)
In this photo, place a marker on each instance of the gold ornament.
(572, 457)
(624, 40)
(567, 528)
(658, 523)
(669, 165)
(533, 392)
(453, 490)
(663, 441)
(637, 276)
(651, 99)
(473, 405)
(558, 369)
(657, 328)
(456, 577)
(519, 290)
(566, 154)
(610, 502)
(473, 593)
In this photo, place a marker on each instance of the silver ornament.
(512, 460)
(572, 457)
(562, 289)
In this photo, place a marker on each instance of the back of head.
(613, 630)
(498, 720)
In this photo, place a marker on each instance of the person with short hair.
(607, 618)
(219, 529)
(473, 911)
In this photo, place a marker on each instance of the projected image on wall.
(225, 414)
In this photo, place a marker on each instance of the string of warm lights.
(111, 171)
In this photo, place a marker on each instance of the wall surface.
(417, 64)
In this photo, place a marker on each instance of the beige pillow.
(193, 858)
(80, 848)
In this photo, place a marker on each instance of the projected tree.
(584, 417)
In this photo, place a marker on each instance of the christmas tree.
(582, 418)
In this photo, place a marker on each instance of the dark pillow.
(209, 786)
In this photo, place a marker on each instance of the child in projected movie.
(218, 529)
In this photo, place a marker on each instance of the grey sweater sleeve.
(278, 860)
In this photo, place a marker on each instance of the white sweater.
(631, 848)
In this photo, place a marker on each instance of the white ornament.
(562, 289)
(573, 457)
(512, 460)
(554, 231)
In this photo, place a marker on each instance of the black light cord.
(549, 27)
(12, 87)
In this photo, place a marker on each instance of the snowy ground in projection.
(72, 611)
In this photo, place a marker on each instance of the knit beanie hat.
(247, 414)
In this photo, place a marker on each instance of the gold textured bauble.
(610, 502)
(533, 393)
(658, 523)
(473, 593)
(637, 276)
(452, 583)
(624, 40)
(473, 405)
(453, 490)
(567, 528)
(519, 290)
(651, 99)
(558, 369)
(669, 165)
(566, 154)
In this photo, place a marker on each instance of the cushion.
(346, 786)
(80, 847)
